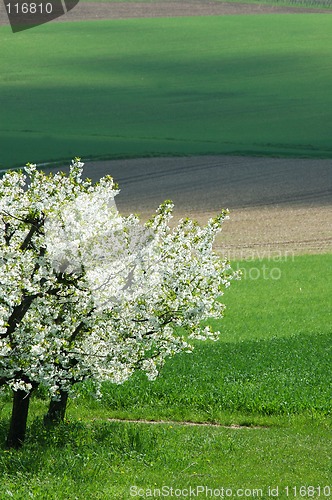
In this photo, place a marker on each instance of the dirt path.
(186, 423)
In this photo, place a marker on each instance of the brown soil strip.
(85, 11)
(185, 423)
(93, 11)
(279, 207)
(276, 233)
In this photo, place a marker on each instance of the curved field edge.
(256, 85)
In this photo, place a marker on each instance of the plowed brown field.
(85, 11)
(174, 8)
(278, 206)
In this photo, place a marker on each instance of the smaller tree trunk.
(57, 409)
(18, 423)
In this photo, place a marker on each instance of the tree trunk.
(18, 423)
(57, 409)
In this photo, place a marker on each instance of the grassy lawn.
(102, 461)
(270, 372)
(273, 357)
(236, 84)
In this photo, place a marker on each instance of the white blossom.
(88, 293)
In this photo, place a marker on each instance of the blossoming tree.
(87, 293)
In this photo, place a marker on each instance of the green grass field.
(273, 357)
(104, 460)
(236, 84)
(270, 372)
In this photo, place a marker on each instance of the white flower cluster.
(88, 293)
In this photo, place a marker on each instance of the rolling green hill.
(236, 84)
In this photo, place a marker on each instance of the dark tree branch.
(18, 314)
(80, 327)
(8, 234)
(35, 227)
